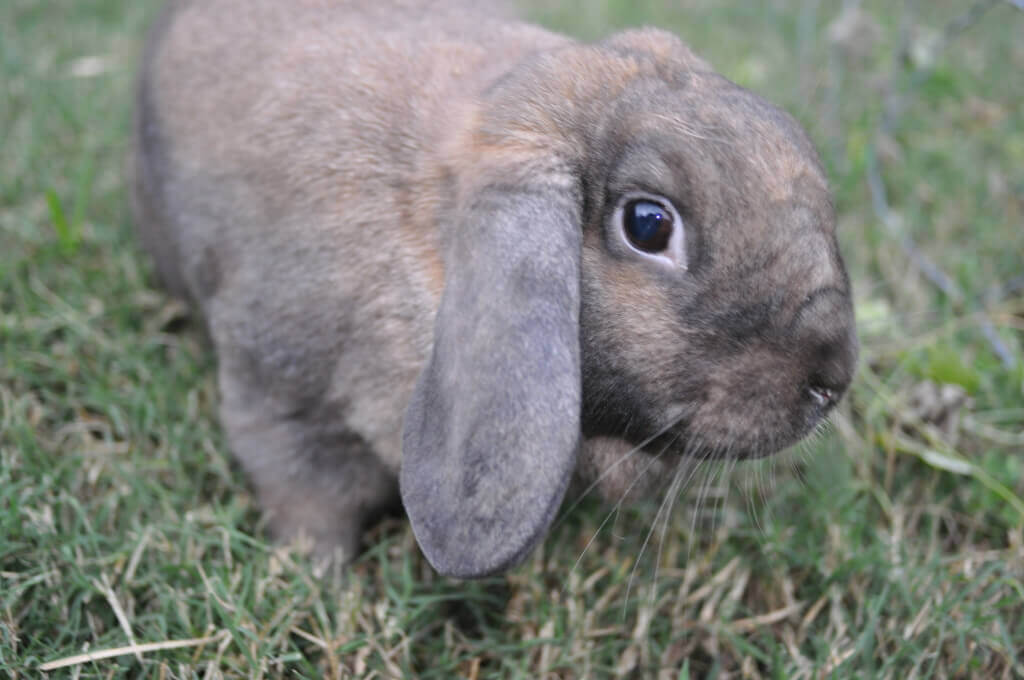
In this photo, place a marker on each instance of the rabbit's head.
(635, 249)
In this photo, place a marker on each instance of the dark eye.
(648, 226)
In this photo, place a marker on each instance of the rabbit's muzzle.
(771, 384)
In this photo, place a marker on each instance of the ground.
(890, 547)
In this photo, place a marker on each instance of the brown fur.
(378, 207)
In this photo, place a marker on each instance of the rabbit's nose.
(823, 397)
(826, 345)
(831, 360)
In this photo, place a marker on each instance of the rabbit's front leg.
(316, 479)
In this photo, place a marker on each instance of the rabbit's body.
(357, 193)
(323, 320)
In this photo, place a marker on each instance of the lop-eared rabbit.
(452, 256)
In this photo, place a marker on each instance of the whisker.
(707, 456)
(725, 484)
(611, 468)
(618, 505)
(727, 458)
(773, 483)
(749, 498)
(647, 539)
(673, 488)
(673, 495)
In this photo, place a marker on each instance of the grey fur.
(493, 425)
(403, 209)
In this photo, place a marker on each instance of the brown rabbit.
(438, 246)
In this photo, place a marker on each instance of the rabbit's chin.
(682, 444)
(625, 471)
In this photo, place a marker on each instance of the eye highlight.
(647, 225)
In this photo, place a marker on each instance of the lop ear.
(492, 429)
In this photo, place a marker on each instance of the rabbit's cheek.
(629, 318)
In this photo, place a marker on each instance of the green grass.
(892, 548)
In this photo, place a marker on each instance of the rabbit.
(452, 260)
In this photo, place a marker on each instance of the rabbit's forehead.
(766, 167)
(711, 130)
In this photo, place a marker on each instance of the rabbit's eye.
(648, 226)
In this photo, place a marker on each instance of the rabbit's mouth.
(739, 433)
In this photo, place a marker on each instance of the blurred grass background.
(892, 548)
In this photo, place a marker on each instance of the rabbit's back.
(254, 111)
(287, 182)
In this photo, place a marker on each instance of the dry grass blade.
(103, 585)
(755, 622)
(130, 649)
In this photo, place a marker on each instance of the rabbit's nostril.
(824, 397)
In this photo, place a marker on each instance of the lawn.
(890, 547)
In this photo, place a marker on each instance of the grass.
(891, 548)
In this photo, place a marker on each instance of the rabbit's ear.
(492, 429)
